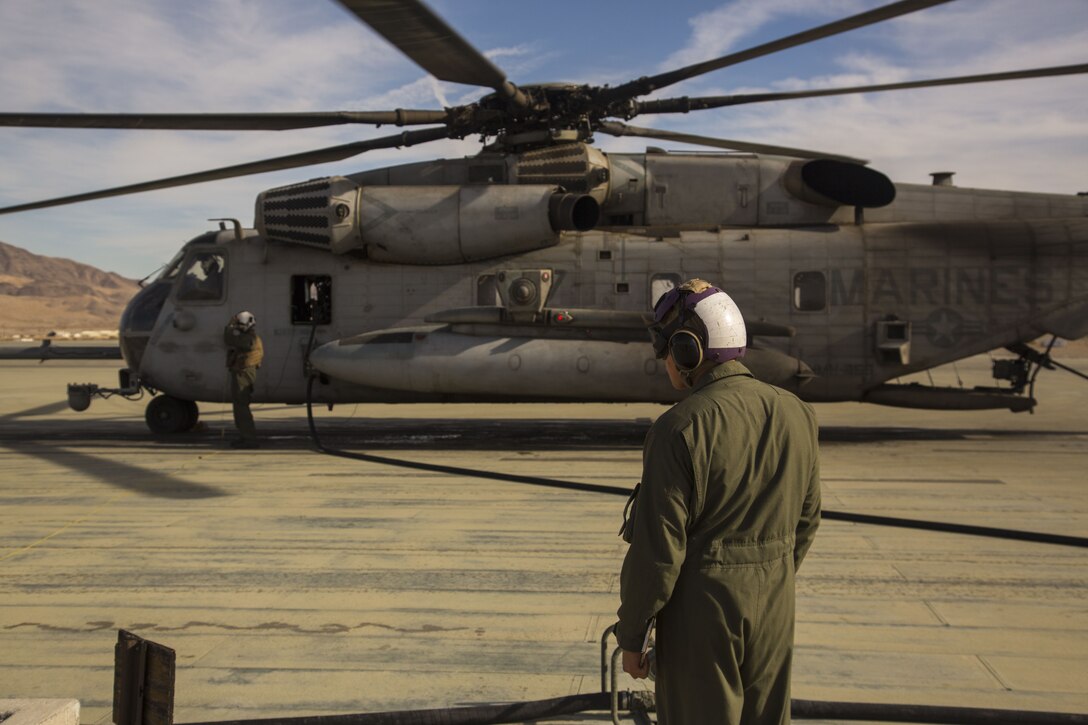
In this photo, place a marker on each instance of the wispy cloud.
(717, 32)
(1000, 135)
(60, 54)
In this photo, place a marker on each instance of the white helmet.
(245, 321)
(698, 323)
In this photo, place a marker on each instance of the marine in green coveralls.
(245, 352)
(728, 505)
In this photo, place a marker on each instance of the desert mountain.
(43, 294)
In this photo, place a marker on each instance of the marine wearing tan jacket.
(245, 353)
(244, 349)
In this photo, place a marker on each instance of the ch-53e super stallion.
(527, 272)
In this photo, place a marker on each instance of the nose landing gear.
(166, 415)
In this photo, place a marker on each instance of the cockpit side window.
(809, 291)
(203, 278)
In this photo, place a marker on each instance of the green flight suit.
(245, 352)
(728, 505)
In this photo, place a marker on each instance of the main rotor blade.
(615, 128)
(320, 156)
(221, 121)
(644, 85)
(435, 47)
(683, 105)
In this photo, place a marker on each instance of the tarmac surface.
(292, 583)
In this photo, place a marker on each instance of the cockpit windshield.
(170, 270)
(202, 278)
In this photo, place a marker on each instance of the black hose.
(966, 529)
(310, 414)
(514, 712)
(969, 529)
(452, 470)
(819, 710)
(310, 343)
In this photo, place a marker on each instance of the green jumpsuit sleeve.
(810, 517)
(658, 534)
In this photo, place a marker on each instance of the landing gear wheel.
(193, 413)
(166, 415)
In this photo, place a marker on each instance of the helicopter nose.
(138, 321)
(132, 349)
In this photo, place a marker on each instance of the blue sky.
(299, 55)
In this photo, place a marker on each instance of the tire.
(193, 413)
(166, 415)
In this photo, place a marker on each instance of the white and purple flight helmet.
(698, 323)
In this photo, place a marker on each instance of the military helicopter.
(528, 271)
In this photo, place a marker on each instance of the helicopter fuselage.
(837, 306)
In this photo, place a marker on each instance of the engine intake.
(837, 183)
(422, 224)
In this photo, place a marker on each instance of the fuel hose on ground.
(951, 528)
(873, 712)
(513, 712)
(519, 712)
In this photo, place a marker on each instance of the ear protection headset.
(686, 349)
(677, 338)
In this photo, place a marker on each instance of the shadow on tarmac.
(115, 473)
(47, 409)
